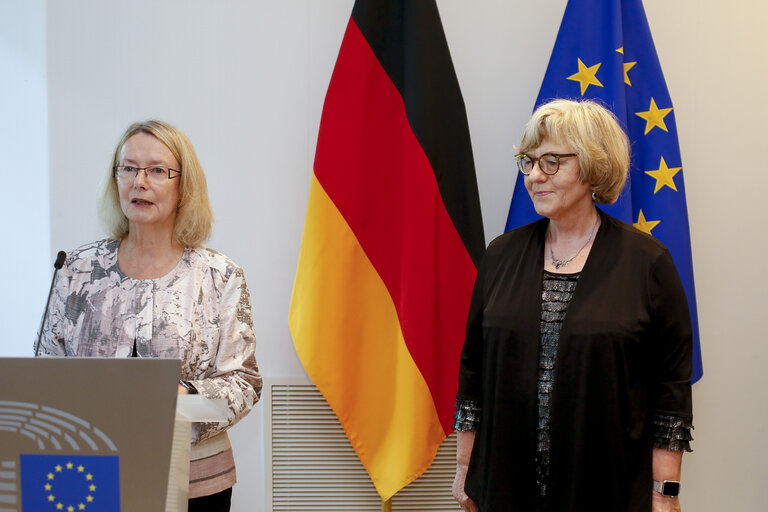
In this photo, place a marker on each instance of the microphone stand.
(56, 265)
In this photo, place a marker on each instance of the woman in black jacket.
(575, 380)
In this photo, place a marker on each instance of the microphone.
(59, 261)
(56, 265)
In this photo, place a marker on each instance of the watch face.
(671, 488)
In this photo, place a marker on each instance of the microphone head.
(60, 260)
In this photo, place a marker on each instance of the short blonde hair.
(594, 134)
(194, 217)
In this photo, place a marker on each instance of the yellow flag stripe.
(360, 361)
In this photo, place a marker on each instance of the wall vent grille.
(314, 468)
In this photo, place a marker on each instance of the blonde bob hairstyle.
(194, 217)
(593, 133)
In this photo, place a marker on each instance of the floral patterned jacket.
(200, 312)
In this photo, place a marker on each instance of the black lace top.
(556, 294)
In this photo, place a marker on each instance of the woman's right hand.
(466, 503)
(464, 442)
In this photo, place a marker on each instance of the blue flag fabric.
(70, 483)
(604, 51)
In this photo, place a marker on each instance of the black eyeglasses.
(549, 163)
(154, 173)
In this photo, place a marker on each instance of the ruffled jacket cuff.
(467, 415)
(672, 433)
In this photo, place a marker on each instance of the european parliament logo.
(83, 473)
(70, 483)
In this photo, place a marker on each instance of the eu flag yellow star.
(627, 67)
(664, 176)
(586, 76)
(654, 116)
(645, 225)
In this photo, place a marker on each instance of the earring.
(594, 196)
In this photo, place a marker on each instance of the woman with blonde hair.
(575, 377)
(152, 290)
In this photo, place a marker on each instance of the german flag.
(392, 239)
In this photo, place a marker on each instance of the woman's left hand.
(183, 390)
(662, 503)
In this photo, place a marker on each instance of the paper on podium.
(197, 408)
(189, 409)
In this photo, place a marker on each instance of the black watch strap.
(668, 488)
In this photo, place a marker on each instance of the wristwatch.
(668, 488)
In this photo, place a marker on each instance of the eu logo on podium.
(70, 483)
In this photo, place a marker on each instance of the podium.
(92, 434)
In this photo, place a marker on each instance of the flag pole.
(386, 505)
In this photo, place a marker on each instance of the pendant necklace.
(558, 264)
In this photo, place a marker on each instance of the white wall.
(246, 80)
(25, 205)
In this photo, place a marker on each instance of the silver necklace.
(558, 264)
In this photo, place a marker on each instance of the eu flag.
(604, 51)
(71, 483)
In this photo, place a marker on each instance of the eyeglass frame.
(146, 171)
(536, 160)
